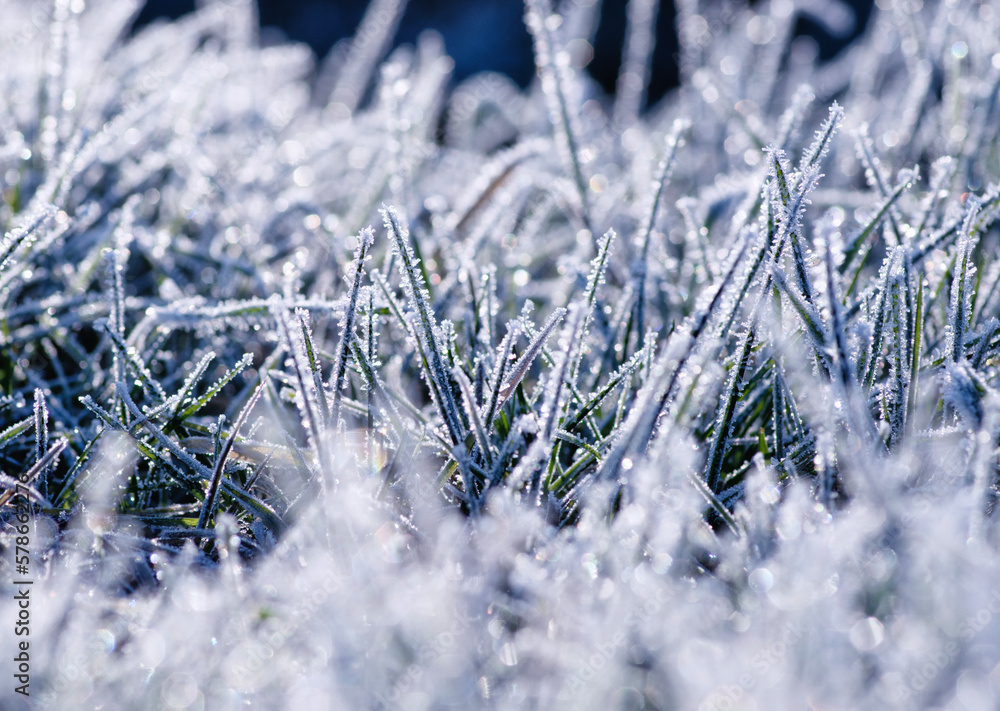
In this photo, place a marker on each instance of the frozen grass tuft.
(378, 392)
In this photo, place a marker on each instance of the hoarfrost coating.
(341, 386)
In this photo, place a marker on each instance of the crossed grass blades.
(175, 287)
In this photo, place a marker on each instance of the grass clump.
(346, 387)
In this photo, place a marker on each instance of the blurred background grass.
(487, 35)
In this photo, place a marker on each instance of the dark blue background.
(482, 34)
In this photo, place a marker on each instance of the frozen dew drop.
(770, 495)
(599, 183)
(761, 29)
(508, 654)
(739, 622)
(303, 176)
(760, 580)
(730, 65)
(179, 691)
(105, 640)
(867, 634)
